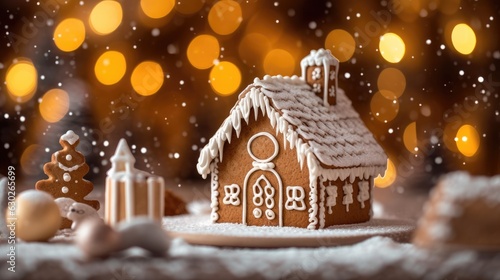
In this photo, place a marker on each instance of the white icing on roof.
(335, 136)
(70, 137)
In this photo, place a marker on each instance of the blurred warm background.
(164, 74)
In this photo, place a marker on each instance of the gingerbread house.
(293, 152)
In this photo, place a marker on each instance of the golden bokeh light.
(265, 22)
(203, 51)
(341, 44)
(467, 140)
(28, 161)
(156, 8)
(388, 94)
(110, 67)
(279, 62)
(225, 17)
(389, 176)
(54, 105)
(105, 17)
(391, 83)
(69, 34)
(410, 138)
(21, 80)
(147, 78)
(463, 38)
(225, 78)
(392, 47)
(251, 53)
(189, 7)
(384, 109)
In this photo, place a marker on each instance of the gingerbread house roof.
(326, 138)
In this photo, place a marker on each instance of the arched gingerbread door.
(263, 188)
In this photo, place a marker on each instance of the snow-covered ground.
(374, 258)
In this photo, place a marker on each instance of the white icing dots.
(66, 177)
(257, 213)
(69, 169)
(69, 157)
(270, 214)
(215, 194)
(64, 189)
(316, 74)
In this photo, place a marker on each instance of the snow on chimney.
(320, 71)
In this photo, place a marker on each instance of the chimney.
(320, 71)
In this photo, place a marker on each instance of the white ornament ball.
(38, 216)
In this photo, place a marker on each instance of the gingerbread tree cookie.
(66, 171)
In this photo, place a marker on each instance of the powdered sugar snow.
(298, 237)
(374, 258)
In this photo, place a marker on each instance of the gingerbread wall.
(237, 163)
